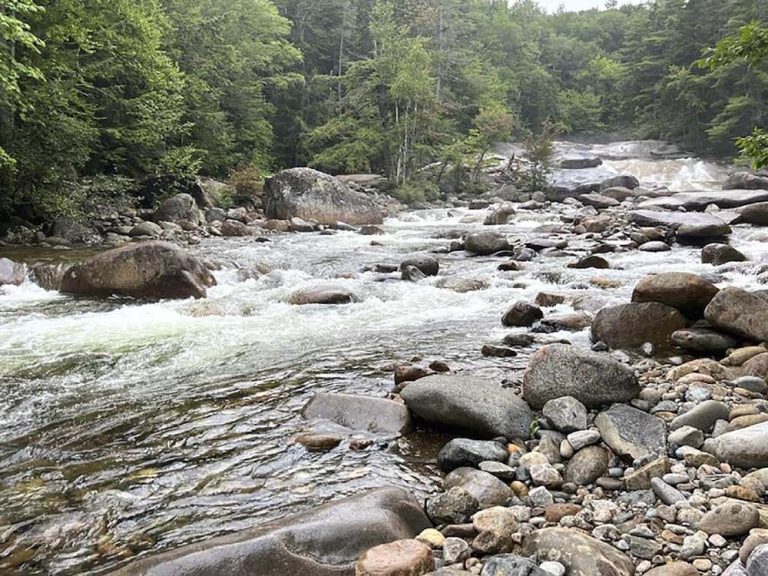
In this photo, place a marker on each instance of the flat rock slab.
(324, 541)
(378, 415)
(698, 201)
(582, 555)
(674, 220)
(632, 432)
(470, 404)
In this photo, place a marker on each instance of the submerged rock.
(593, 379)
(746, 181)
(151, 270)
(469, 403)
(377, 415)
(313, 195)
(327, 540)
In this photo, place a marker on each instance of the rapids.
(129, 427)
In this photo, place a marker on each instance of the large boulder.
(593, 379)
(689, 293)
(675, 220)
(12, 272)
(581, 554)
(485, 243)
(150, 270)
(630, 326)
(739, 312)
(746, 181)
(311, 195)
(756, 214)
(470, 404)
(746, 448)
(377, 415)
(326, 540)
(176, 208)
(698, 201)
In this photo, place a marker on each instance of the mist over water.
(129, 427)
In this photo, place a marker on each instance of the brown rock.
(688, 293)
(400, 558)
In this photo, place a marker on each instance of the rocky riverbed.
(565, 383)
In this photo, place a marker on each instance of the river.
(130, 427)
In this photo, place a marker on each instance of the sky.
(575, 5)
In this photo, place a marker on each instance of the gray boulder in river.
(324, 541)
(312, 195)
(469, 403)
(359, 412)
(593, 379)
(150, 270)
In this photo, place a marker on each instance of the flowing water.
(129, 427)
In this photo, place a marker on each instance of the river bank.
(132, 427)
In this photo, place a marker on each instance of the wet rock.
(148, 229)
(428, 265)
(571, 322)
(708, 224)
(316, 442)
(746, 448)
(621, 181)
(703, 341)
(501, 215)
(511, 565)
(518, 340)
(150, 270)
(11, 272)
(689, 293)
(522, 314)
(463, 452)
(695, 233)
(464, 285)
(655, 246)
(306, 543)
(400, 558)
(377, 415)
(566, 414)
(485, 243)
(702, 416)
(631, 432)
(582, 555)
(739, 312)
(48, 276)
(746, 181)
(412, 274)
(756, 214)
(618, 193)
(176, 208)
(322, 294)
(488, 490)
(371, 230)
(312, 195)
(580, 163)
(593, 379)
(454, 506)
(730, 520)
(587, 465)
(718, 254)
(630, 326)
(410, 373)
(596, 262)
(469, 403)
(699, 201)
(492, 351)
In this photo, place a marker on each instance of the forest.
(117, 91)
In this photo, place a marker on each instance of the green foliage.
(538, 152)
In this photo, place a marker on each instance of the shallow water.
(129, 427)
